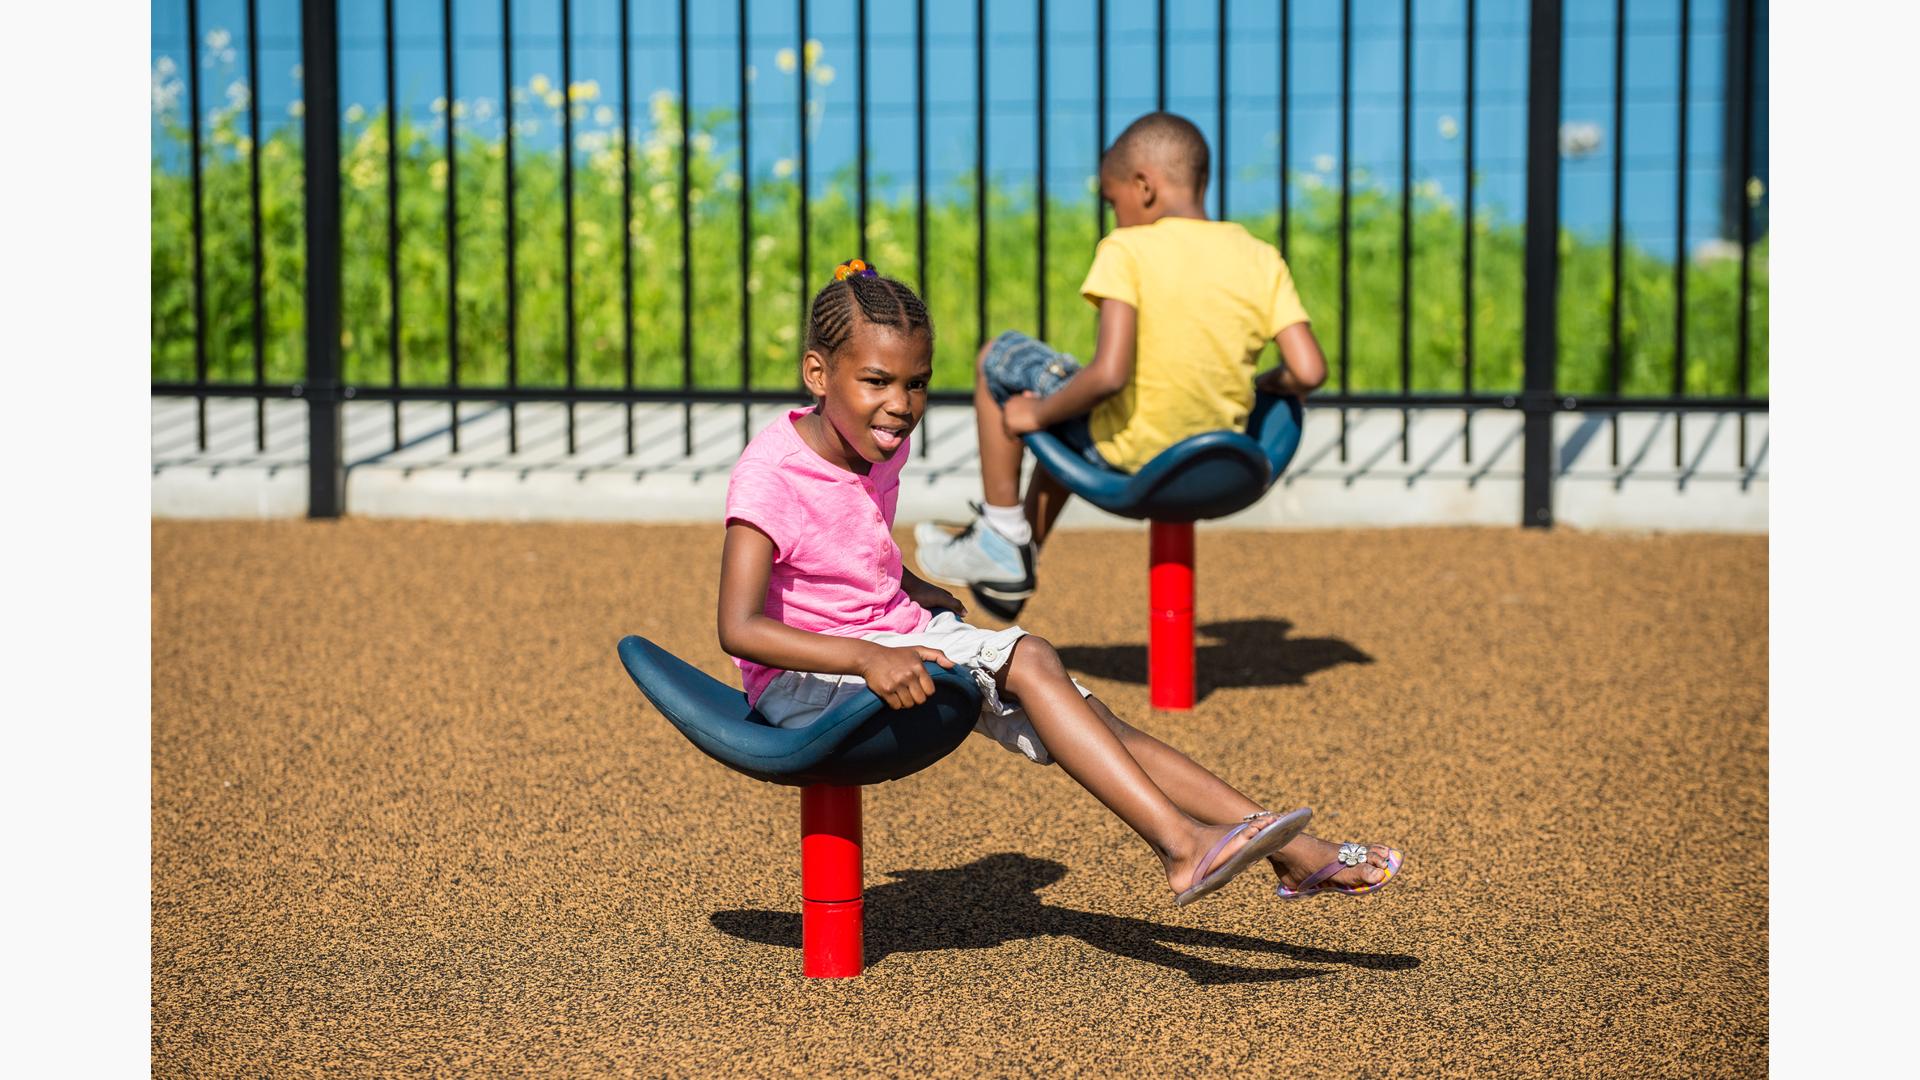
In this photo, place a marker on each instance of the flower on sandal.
(1353, 854)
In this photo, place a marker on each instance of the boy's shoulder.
(1222, 239)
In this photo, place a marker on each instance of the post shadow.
(994, 900)
(1243, 652)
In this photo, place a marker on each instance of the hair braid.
(882, 301)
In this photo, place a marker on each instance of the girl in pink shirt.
(815, 604)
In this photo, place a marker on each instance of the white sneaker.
(996, 568)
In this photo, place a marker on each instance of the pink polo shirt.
(836, 569)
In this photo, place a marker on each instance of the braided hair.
(881, 301)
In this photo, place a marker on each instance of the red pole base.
(1170, 598)
(831, 937)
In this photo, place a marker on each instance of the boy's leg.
(999, 452)
(1082, 743)
(1206, 797)
(1046, 497)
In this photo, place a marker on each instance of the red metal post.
(830, 904)
(1170, 595)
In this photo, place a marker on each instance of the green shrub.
(774, 287)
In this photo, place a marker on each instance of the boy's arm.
(746, 632)
(1302, 367)
(1104, 377)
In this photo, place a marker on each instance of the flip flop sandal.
(1268, 840)
(1350, 855)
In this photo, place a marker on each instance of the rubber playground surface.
(411, 817)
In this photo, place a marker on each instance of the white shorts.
(797, 698)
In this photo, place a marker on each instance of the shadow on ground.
(1243, 652)
(995, 900)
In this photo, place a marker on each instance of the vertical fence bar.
(626, 205)
(1286, 134)
(253, 204)
(320, 68)
(1543, 260)
(980, 169)
(393, 217)
(686, 235)
(1040, 157)
(1741, 12)
(1346, 200)
(1680, 242)
(199, 225)
(920, 178)
(566, 204)
(1220, 99)
(1466, 245)
(920, 151)
(1619, 190)
(1406, 225)
(513, 292)
(453, 210)
(1160, 64)
(805, 225)
(860, 120)
(1099, 117)
(746, 231)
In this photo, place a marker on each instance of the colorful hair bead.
(854, 268)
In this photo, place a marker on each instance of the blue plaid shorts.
(1017, 363)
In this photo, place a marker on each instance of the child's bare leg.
(999, 452)
(1046, 497)
(1083, 745)
(1206, 797)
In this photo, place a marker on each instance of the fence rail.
(1540, 393)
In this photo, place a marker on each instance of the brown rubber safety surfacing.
(411, 816)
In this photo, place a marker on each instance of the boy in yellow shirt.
(1186, 307)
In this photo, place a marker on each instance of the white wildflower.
(218, 39)
(355, 114)
(540, 85)
(584, 91)
(603, 115)
(295, 108)
(784, 60)
(163, 66)
(1449, 127)
(439, 106)
(483, 109)
(823, 74)
(554, 99)
(1323, 163)
(783, 168)
(702, 143)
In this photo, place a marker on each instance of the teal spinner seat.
(860, 741)
(1205, 476)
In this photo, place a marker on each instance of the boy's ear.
(813, 373)
(1144, 185)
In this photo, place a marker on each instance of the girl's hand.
(898, 675)
(1021, 415)
(931, 596)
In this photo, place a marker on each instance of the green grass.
(774, 284)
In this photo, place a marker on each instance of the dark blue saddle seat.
(859, 741)
(1206, 476)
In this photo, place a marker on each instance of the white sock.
(1010, 522)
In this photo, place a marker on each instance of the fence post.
(1537, 399)
(320, 74)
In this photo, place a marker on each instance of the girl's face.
(872, 392)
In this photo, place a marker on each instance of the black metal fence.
(1540, 395)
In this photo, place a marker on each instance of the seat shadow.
(994, 900)
(1242, 652)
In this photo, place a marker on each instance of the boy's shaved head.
(1170, 142)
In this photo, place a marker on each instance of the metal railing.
(1538, 398)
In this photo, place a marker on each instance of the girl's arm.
(1104, 377)
(1302, 368)
(746, 632)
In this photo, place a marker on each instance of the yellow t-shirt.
(1209, 296)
